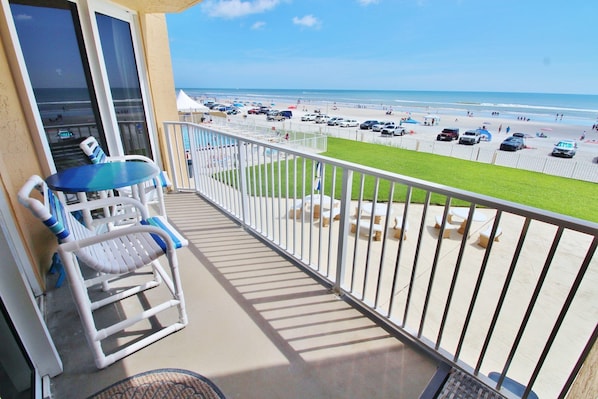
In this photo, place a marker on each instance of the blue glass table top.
(101, 177)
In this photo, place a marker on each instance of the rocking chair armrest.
(71, 246)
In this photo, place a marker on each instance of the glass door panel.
(52, 45)
(16, 371)
(122, 71)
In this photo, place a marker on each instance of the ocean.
(577, 109)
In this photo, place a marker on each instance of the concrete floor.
(259, 327)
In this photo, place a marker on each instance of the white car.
(322, 119)
(379, 126)
(349, 123)
(309, 117)
(335, 121)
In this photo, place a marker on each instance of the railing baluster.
(413, 289)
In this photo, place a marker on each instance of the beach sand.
(497, 125)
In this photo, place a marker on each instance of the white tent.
(185, 103)
(431, 120)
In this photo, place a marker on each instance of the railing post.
(341, 259)
(242, 171)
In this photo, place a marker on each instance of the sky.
(542, 46)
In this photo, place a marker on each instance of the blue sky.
(545, 46)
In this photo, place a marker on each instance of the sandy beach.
(497, 125)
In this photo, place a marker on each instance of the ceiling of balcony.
(158, 6)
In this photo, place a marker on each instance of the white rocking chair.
(153, 188)
(117, 256)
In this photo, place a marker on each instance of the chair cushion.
(162, 223)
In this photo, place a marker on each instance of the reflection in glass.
(49, 37)
(121, 67)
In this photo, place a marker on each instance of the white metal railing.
(525, 305)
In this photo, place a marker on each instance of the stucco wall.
(161, 80)
(18, 161)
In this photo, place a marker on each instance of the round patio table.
(463, 213)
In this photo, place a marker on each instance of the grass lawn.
(558, 194)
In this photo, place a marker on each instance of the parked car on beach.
(309, 117)
(349, 123)
(335, 121)
(470, 137)
(392, 129)
(380, 125)
(368, 124)
(448, 134)
(565, 149)
(322, 119)
(512, 143)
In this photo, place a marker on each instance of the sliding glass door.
(84, 74)
(121, 67)
(52, 46)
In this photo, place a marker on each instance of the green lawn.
(566, 196)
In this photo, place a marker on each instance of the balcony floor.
(259, 327)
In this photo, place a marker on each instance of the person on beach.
(508, 129)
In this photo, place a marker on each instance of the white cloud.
(237, 8)
(258, 25)
(308, 21)
(367, 2)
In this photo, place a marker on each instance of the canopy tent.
(185, 103)
(431, 120)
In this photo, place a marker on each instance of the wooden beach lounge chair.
(112, 266)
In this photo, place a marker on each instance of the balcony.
(301, 306)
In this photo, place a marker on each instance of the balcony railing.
(523, 305)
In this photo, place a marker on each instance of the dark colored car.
(512, 144)
(448, 134)
(254, 111)
(286, 113)
(368, 124)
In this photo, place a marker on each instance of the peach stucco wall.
(18, 161)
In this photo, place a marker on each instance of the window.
(67, 87)
(121, 67)
(51, 43)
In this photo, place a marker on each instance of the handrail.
(521, 306)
